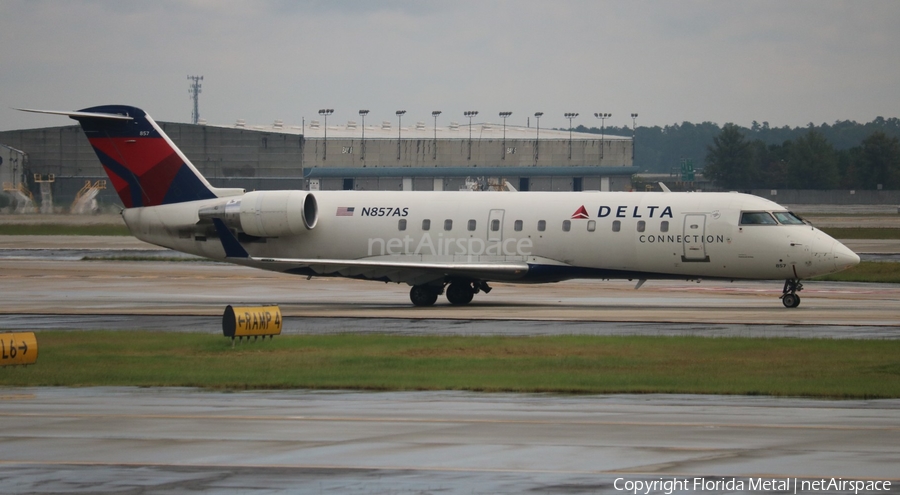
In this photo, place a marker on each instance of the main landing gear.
(789, 296)
(458, 292)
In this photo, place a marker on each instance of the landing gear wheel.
(422, 295)
(789, 296)
(790, 300)
(459, 293)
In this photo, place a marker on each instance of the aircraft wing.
(413, 272)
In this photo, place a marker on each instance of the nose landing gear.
(789, 296)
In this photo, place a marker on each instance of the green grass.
(567, 364)
(867, 271)
(863, 233)
(62, 229)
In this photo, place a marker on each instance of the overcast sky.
(785, 62)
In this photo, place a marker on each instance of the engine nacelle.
(268, 213)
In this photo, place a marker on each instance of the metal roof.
(418, 130)
(341, 172)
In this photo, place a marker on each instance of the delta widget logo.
(580, 213)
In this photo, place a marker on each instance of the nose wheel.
(789, 296)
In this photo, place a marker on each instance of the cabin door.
(694, 238)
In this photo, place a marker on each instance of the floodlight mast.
(470, 114)
(633, 119)
(363, 113)
(400, 114)
(602, 117)
(325, 112)
(504, 116)
(537, 138)
(570, 116)
(435, 115)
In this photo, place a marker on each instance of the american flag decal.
(345, 211)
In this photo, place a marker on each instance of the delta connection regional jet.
(453, 242)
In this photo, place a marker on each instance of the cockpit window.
(788, 218)
(757, 218)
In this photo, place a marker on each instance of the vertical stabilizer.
(143, 164)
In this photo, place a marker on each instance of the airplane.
(453, 242)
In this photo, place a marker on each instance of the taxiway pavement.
(126, 440)
(37, 286)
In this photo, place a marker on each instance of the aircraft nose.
(843, 257)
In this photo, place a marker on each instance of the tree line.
(846, 155)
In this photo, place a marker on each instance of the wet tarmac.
(148, 441)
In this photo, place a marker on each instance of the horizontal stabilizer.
(79, 115)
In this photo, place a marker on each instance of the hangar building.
(344, 156)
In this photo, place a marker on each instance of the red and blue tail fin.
(143, 164)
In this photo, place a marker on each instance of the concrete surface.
(125, 440)
(187, 288)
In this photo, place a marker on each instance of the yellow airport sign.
(251, 321)
(18, 348)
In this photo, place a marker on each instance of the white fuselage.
(615, 235)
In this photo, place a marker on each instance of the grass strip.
(867, 271)
(62, 229)
(862, 232)
(563, 364)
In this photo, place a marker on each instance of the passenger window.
(426, 224)
(401, 224)
(757, 218)
(641, 226)
(470, 226)
(664, 226)
(518, 226)
(567, 225)
(592, 225)
(495, 225)
(788, 218)
(448, 224)
(617, 226)
(542, 225)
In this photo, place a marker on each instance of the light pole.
(633, 118)
(435, 115)
(399, 129)
(570, 116)
(602, 117)
(470, 114)
(504, 115)
(325, 112)
(537, 138)
(363, 113)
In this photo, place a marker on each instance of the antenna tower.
(194, 91)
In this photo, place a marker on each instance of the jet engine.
(267, 213)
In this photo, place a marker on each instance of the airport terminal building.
(312, 156)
